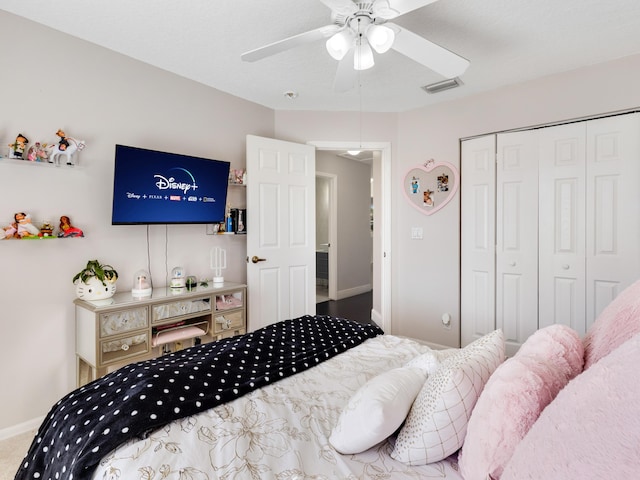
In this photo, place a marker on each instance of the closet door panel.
(562, 223)
(613, 200)
(477, 278)
(517, 236)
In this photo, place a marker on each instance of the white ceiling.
(506, 41)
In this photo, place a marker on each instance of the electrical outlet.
(417, 233)
(446, 321)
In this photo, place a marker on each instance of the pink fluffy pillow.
(617, 323)
(591, 429)
(515, 395)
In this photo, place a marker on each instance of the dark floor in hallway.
(356, 308)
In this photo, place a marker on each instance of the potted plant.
(95, 281)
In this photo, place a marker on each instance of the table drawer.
(116, 323)
(118, 349)
(179, 308)
(228, 301)
(228, 321)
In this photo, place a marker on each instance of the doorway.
(326, 241)
(381, 217)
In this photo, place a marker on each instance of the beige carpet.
(12, 451)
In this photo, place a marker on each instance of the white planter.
(93, 289)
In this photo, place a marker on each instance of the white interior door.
(517, 237)
(280, 231)
(613, 200)
(478, 238)
(562, 226)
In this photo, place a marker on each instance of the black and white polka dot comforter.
(135, 400)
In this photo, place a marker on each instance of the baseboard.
(20, 428)
(351, 292)
(376, 317)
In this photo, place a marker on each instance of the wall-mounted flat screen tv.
(152, 187)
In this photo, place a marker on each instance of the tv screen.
(151, 187)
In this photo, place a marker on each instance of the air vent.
(443, 85)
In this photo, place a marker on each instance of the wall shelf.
(17, 161)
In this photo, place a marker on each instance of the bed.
(320, 397)
(276, 428)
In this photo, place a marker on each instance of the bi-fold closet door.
(550, 226)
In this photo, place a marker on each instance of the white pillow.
(431, 360)
(437, 422)
(377, 409)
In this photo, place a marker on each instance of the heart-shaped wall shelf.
(429, 187)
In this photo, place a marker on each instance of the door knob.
(256, 259)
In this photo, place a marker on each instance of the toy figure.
(63, 143)
(32, 153)
(37, 152)
(25, 227)
(67, 146)
(19, 146)
(46, 230)
(67, 230)
(43, 153)
(10, 231)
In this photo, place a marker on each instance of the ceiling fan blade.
(429, 54)
(345, 74)
(389, 9)
(341, 7)
(291, 42)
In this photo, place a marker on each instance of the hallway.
(356, 308)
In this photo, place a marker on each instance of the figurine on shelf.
(38, 152)
(25, 227)
(46, 230)
(32, 153)
(42, 154)
(67, 230)
(19, 146)
(67, 146)
(9, 232)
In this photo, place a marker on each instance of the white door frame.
(333, 233)
(383, 257)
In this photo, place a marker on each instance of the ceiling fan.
(357, 28)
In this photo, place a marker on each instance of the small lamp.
(218, 263)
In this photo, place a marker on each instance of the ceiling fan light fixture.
(339, 44)
(363, 58)
(380, 37)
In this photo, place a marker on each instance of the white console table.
(124, 329)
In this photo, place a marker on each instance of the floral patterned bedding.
(279, 431)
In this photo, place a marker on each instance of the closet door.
(477, 275)
(562, 226)
(517, 237)
(613, 209)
